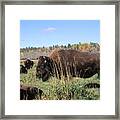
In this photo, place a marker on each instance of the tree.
(50, 47)
(61, 46)
(56, 46)
(65, 46)
(69, 45)
(77, 47)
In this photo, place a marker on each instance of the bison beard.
(66, 63)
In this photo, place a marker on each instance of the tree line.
(34, 52)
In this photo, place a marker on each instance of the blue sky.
(39, 33)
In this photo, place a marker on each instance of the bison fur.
(28, 63)
(92, 85)
(29, 93)
(66, 63)
(23, 69)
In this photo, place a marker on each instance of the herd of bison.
(61, 64)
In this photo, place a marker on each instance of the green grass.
(55, 89)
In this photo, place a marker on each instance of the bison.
(66, 63)
(28, 63)
(92, 85)
(29, 93)
(23, 69)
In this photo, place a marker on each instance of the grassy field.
(55, 89)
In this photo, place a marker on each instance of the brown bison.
(65, 63)
(28, 63)
(29, 93)
(23, 69)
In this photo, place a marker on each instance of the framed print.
(60, 60)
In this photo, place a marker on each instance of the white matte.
(104, 13)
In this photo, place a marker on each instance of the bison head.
(23, 69)
(30, 93)
(28, 63)
(44, 68)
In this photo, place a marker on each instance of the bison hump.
(72, 55)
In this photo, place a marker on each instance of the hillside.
(35, 52)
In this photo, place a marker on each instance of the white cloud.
(50, 29)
